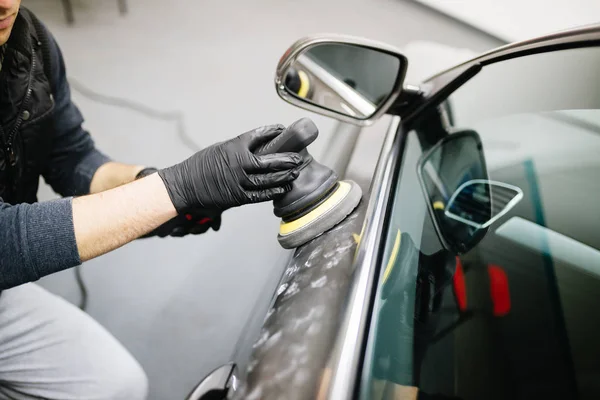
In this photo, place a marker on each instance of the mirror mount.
(352, 105)
(410, 97)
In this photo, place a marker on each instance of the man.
(48, 348)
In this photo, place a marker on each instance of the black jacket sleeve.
(74, 159)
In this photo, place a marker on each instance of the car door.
(514, 315)
(236, 377)
(379, 307)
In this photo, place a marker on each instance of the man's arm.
(107, 220)
(113, 174)
(42, 238)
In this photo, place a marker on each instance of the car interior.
(511, 316)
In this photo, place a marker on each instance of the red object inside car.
(460, 287)
(499, 291)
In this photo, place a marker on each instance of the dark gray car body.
(308, 339)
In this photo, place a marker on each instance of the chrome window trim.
(584, 36)
(344, 362)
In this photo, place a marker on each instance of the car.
(471, 268)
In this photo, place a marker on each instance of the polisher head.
(324, 216)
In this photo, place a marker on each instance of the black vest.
(26, 107)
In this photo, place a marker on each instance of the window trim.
(585, 36)
(346, 359)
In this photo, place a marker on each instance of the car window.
(515, 316)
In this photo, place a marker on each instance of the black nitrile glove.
(229, 174)
(193, 222)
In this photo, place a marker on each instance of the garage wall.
(514, 20)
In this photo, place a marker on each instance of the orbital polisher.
(317, 201)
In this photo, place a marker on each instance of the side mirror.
(347, 78)
(462, 201)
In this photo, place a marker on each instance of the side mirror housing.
(343, 77)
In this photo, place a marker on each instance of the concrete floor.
(180, 304)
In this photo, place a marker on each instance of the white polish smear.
(273, 340)
(319, 283)
(292, 290)
(251, 365)
(282, 288)
(309, 323)
(270, 312)
(315, 253)
(262, 339)
(314, 329)
(286, 372)
(301, 377)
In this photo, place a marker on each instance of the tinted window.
(517, 315)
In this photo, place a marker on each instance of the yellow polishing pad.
(341, 192)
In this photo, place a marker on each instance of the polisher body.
(316, 201)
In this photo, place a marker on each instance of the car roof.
(575, 37)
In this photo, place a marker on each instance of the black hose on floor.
(82, 288)
(140, 108)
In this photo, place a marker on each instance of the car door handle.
(216, 385)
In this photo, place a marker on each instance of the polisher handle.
(294, 138)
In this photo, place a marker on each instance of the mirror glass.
(461, 198)
(348, 79)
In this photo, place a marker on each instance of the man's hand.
(229, 174)
(194, 222)
(225, 175)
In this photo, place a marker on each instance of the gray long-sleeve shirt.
(39, 239)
